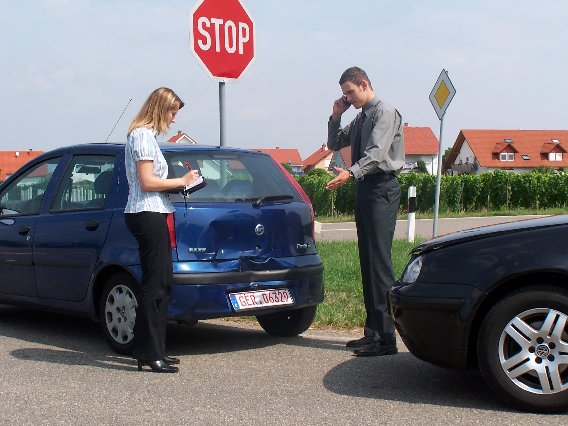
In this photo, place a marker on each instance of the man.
(377, 154)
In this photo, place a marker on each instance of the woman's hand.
(189, 177)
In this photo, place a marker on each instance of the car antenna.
(121, 114)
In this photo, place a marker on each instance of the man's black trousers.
(377, 204)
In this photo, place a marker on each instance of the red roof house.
(284, 155)
(182, 137)
(479, 151)
(320, 159)
(10, 161)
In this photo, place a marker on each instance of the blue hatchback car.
(242, 245)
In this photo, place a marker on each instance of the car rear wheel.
(523, 349)
(288, 323)
(117, 312)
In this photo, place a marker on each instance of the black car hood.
(489, 231)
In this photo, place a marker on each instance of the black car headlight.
(412, 270)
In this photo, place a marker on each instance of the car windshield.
(231, 177)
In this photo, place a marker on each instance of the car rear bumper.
(198, 296)
(434, 320)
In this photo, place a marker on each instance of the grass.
(430, 215)
(343, 306)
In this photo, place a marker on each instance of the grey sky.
(69, 67)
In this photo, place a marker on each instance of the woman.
(145, 215)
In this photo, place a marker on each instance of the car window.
(25, 194)
(86, 183)
(230, 177)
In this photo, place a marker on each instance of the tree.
(422, 167)
(287, 167)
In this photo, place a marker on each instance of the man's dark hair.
(355, 75)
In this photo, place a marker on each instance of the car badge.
(259, 229)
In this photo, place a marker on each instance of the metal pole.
(222, 130)
(438, 179)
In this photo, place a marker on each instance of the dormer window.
(507, 156)
(554, 156)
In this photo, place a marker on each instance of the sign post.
(222, 39)
(440, 97)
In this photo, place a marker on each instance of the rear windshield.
(231, 177)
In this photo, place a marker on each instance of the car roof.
(113, 147)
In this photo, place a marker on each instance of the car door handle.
(91, 225)
(23, 230)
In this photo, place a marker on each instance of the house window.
(507, 156)
(554, 156)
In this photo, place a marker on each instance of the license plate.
(260, 299)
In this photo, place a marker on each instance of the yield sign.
(442, 94)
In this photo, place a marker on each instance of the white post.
(411, 213)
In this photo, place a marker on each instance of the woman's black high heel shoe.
(159, 366)
(170, 360)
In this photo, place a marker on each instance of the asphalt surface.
(58, 370)
(424, 228)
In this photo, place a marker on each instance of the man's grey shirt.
(382, 139)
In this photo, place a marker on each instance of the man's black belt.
(381, 177)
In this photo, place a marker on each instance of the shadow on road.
(405, 378)
(67, 340)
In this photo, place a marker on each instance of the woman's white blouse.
(142, 145)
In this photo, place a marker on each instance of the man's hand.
(342, 177)
(339, 107)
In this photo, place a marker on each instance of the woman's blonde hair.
(153, 112)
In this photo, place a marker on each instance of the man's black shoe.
(363, 341)
(376, 349)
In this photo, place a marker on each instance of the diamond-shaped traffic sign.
(442, 94)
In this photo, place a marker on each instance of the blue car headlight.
(412, 270)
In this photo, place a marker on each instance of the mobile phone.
(345, 101)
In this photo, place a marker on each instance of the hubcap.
(533, 351)
(120, 314)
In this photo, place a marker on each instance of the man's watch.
(351, 174)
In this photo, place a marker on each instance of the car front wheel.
(288, 323)
(117, 312)
(523, 349)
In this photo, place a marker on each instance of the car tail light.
(302, 193)
(172, 230)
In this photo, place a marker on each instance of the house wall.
(465, 156)
(431, 161)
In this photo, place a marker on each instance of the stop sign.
(222, 37)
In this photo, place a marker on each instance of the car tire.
(288, 323)
(117, 312)
(523, 349)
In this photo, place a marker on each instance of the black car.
(493, 298)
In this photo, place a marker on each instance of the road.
(58, 370)
(424, 227)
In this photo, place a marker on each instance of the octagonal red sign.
(222, 37)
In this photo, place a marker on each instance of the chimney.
(405, 124)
